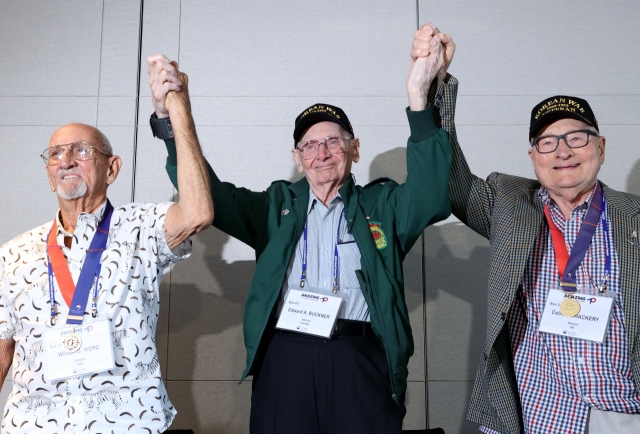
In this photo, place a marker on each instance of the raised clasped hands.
(169, 86)
(431, 55)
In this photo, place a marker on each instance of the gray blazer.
(507, 211)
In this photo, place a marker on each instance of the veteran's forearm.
(7, 347)
(195, 207)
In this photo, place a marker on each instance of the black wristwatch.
(161, 128)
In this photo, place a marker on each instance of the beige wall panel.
(50, 48)
(282, 111)
(414, 401)
(119, 110)
(207, 307)
(26, 199)
(212, 407)
(448, 406)
(456, 272)
(47, 110)
(526, 48)
(119, 55)
(270, 111)
(152, 181)
(160, 34)
(290, 48)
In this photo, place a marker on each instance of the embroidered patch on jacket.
(378, 235)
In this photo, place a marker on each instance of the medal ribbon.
(568, 264)
(58, 268)
(336, 270)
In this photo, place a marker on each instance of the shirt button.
(580, 360)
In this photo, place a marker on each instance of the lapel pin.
(284, 212)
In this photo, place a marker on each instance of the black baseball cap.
(320, 113)
(560, 107)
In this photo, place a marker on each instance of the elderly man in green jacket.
(326, 325)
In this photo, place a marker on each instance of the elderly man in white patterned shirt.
(80, 368)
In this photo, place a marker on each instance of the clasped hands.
(431, 55)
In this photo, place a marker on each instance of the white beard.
(72, 192)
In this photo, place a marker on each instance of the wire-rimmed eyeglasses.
(310, 148)
(79, 151)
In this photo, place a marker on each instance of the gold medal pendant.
(569, 307)
(72, 343)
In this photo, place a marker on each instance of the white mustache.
(63, 172)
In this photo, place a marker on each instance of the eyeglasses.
(79, 151)
(310, 148)
(573, 139)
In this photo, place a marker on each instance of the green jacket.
(272, 222)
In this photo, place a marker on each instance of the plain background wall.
(253, 66)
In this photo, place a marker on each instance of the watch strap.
(161, 128)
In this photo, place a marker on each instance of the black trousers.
(314, 385)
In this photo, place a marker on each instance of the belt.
(347, 327)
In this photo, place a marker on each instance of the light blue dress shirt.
(322, 228)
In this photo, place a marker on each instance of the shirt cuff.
(422, 125)
(166, 255)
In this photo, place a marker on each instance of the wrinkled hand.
(424, 44)
(163, 78)
(177, 101)
(422, 72)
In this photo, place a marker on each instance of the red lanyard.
(60, 267)
(559, 246)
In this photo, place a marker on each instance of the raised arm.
(472, 198)
(239, 212)
(194, 211)
(423, 199)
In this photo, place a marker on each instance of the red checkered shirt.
(560, 378)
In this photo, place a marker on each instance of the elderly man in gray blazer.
(562, 346)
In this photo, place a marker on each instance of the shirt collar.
(543, 195)
(94, 218)
(313, 199)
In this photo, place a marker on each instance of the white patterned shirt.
(129, 398)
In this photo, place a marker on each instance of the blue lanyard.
(607, 246)
(583, 241)
(89, 275)
(336, 263)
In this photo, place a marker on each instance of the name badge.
(78, 350)
(307, 312)
(589, 323)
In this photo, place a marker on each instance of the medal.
(570, 307)
(72, 343)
